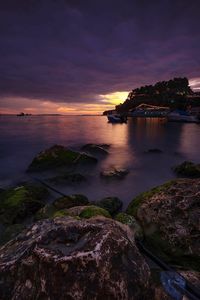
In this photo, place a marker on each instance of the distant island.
(175, 94)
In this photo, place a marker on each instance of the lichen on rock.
(64, 258)
(169, 216)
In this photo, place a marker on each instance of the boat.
(116, 118)
(182, 116)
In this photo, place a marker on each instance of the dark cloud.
(72, 51)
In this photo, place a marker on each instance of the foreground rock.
(96, 148)
(169, 216)
(58, 156)
(68, 259)
(188, 169)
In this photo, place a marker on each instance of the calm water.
(22, 138)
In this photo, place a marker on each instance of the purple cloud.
(72, 51)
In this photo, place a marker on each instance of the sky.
(84, 56)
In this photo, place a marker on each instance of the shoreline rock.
(59, 156)
(65, 258)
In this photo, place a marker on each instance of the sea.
(21, 138)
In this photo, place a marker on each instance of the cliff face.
(175, 93)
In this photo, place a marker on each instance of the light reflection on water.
(21, 138)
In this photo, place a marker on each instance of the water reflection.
(22, 138)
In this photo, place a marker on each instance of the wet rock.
(131, 222)
(68, 259)
(70, 201)
(188, 169)
(58, 156)
(68, 178)
(96, 148)
(93, 211)
(21, 202)
(169, 216)
(60, 206)
(114, 173)
(112, 204)
(154, 150)
(193, 277)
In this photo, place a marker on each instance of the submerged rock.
(112, 204)
(20, 202)
(154, 150)
(96, 148)
(188, 169)
(68, 178)
(68, 259)
(58, 156)
(169, 216)
(114, 173)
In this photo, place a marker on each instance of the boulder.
(21, 202)
(114, 173)
(58, 156)
(169, 216)
(112, 204)
(96, 148)
(65, 258)
(70, 201)
(188, 169)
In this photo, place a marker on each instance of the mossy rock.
(18, 203)
(45, 212)
(70, 201)
(11, 232)
(131, 222)
(58, 156)
(188, 169)
(92, 211)
(172, 255)
(112, 204)
(138, 200)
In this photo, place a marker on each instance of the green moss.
(136, 202)
(124, 218)
(71, 201)
(92, 211)
(45, 212)
(20, 202)
(60, 213)
(188, 169)
(57, 156)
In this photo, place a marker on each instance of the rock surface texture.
(68, 259)
(170, 218)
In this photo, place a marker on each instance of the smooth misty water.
(21, 138)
